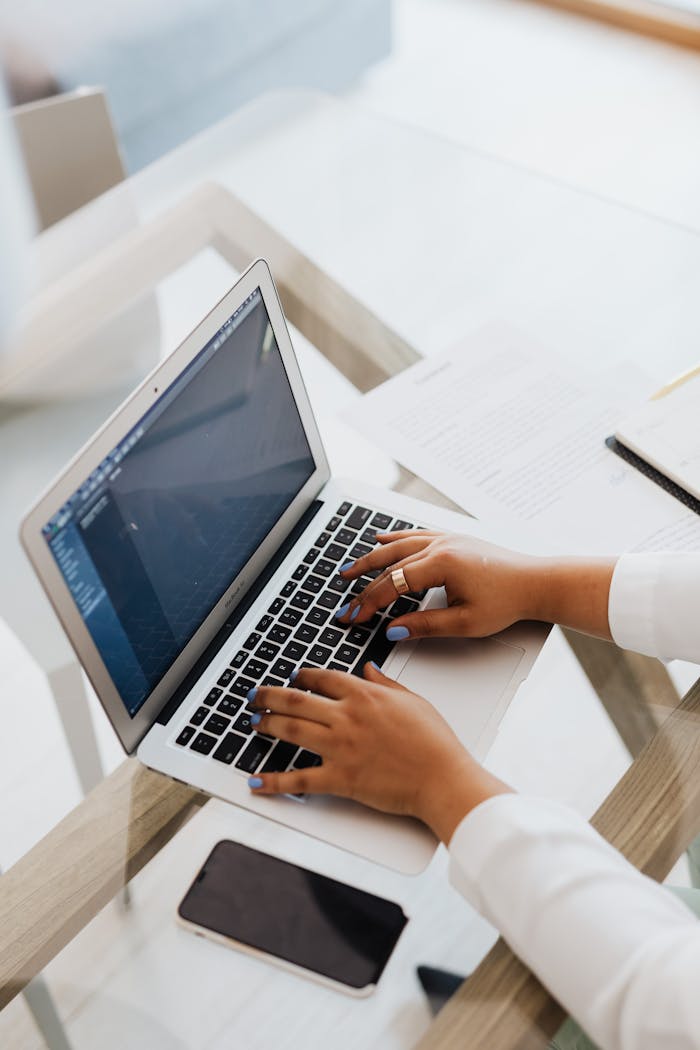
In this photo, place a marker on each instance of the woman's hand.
(381, 745)
(488, 587)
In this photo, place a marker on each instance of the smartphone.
(293, 917)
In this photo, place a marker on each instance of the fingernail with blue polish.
(255, 782)
(341, 611)
(294, 674)
(375, 666)
(397, 634)
(348, 565)
(355, 612)
(255, 719)
(251, 694)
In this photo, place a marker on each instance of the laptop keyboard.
(298, 630)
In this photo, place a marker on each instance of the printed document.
(512, 433)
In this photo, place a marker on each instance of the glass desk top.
(435, 241)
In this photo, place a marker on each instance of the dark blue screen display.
(154, 537)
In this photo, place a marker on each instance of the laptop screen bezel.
(132, 730)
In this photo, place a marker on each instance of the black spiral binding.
(653, 474)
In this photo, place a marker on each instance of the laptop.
(191, 549)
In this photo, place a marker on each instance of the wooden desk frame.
(652, 815)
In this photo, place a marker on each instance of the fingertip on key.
(397, 634)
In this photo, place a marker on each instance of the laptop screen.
(152, 539)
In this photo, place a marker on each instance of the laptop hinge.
(236, 616)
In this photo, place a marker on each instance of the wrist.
(454, 792)
(573, 592)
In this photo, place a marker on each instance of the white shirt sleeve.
(619, 952)
(654, 605)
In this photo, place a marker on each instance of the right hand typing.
(488, 588)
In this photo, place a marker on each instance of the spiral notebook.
(662, 439)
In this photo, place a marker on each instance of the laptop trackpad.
(469, 680)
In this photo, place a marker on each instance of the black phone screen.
(307, 919)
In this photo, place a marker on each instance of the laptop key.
(357, 636)
(328, 600)
(400, 525)
(402, 606)
(203, 743)
(242, 686)
(335, 552)
(311, 555)
(377, 651)
(359, 550)
(333, 666)
(306, 633)
(359, 518)
(331, 637)
(269, 680)
(323, 567)
(212, 696)
(279, 634)
(346, 537)
(320, 654)
(185, 736)
(239, 659)
(264, 624)
(307, 760)
(344, 508)
(288, 589)
(300, 572)
(302, 600)
(216, 724)
(313, 584)
(282, 669)
(381, 521)
(230, 705)
(267, 652)
(339, 584)
(229, 748)
(333, 523)
(290, 617)
(280, 758)
(276, 606)
(198, 717)
(370, 536)
(347, 653)
(243, 723)
(253, 755)
(317, 615)
(255, 668)
(251, 641)
(294, 651)
(323, 539)
(225, 677)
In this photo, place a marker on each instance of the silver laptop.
(191, 551)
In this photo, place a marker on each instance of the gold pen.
(675, 383)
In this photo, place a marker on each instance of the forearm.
(573, 592)
(618, 951)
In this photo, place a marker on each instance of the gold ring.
(399, 581)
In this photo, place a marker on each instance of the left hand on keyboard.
(381, 745)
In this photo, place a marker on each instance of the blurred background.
(583, 89)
